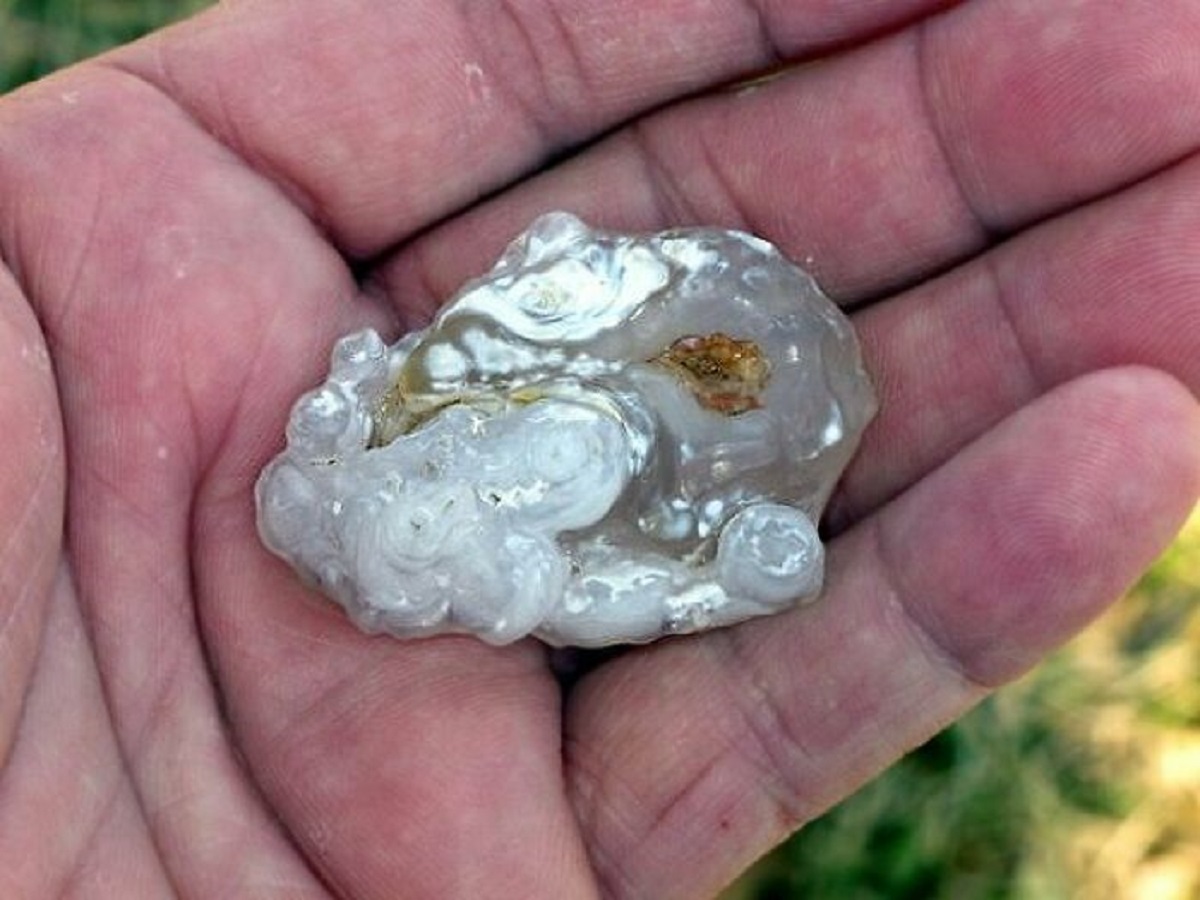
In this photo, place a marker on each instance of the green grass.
(39, 36)
(1080, 782)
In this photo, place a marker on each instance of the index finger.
(380, 118)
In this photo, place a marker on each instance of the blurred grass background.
(1080, 782)
(39, 36)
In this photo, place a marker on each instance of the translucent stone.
(608, 438)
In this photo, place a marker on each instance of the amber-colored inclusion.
(726, 375)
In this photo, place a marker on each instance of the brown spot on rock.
(725, 375)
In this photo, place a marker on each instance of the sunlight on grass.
(39, 36)
(1082, 781)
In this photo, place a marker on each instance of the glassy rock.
(608, 438)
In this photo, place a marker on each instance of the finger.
(881, 166)
(381, 117)
(959, 585)
(427, 769)
(31, 498)
(184, 301)
(1112, 284)
(159, 262)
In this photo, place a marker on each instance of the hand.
(189, 224)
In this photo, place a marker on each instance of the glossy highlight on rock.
(607, 438)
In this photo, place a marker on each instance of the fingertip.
(1028, 534)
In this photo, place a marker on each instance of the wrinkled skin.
(1005, 193)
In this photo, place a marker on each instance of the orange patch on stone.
(725, 375)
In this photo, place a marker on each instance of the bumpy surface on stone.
(607, 438)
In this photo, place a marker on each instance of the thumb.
(32, 479)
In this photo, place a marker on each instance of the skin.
(1005, 193)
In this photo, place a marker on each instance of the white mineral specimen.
(607, 438)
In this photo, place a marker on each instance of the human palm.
(191, 222)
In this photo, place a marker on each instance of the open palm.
(1002, 191)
